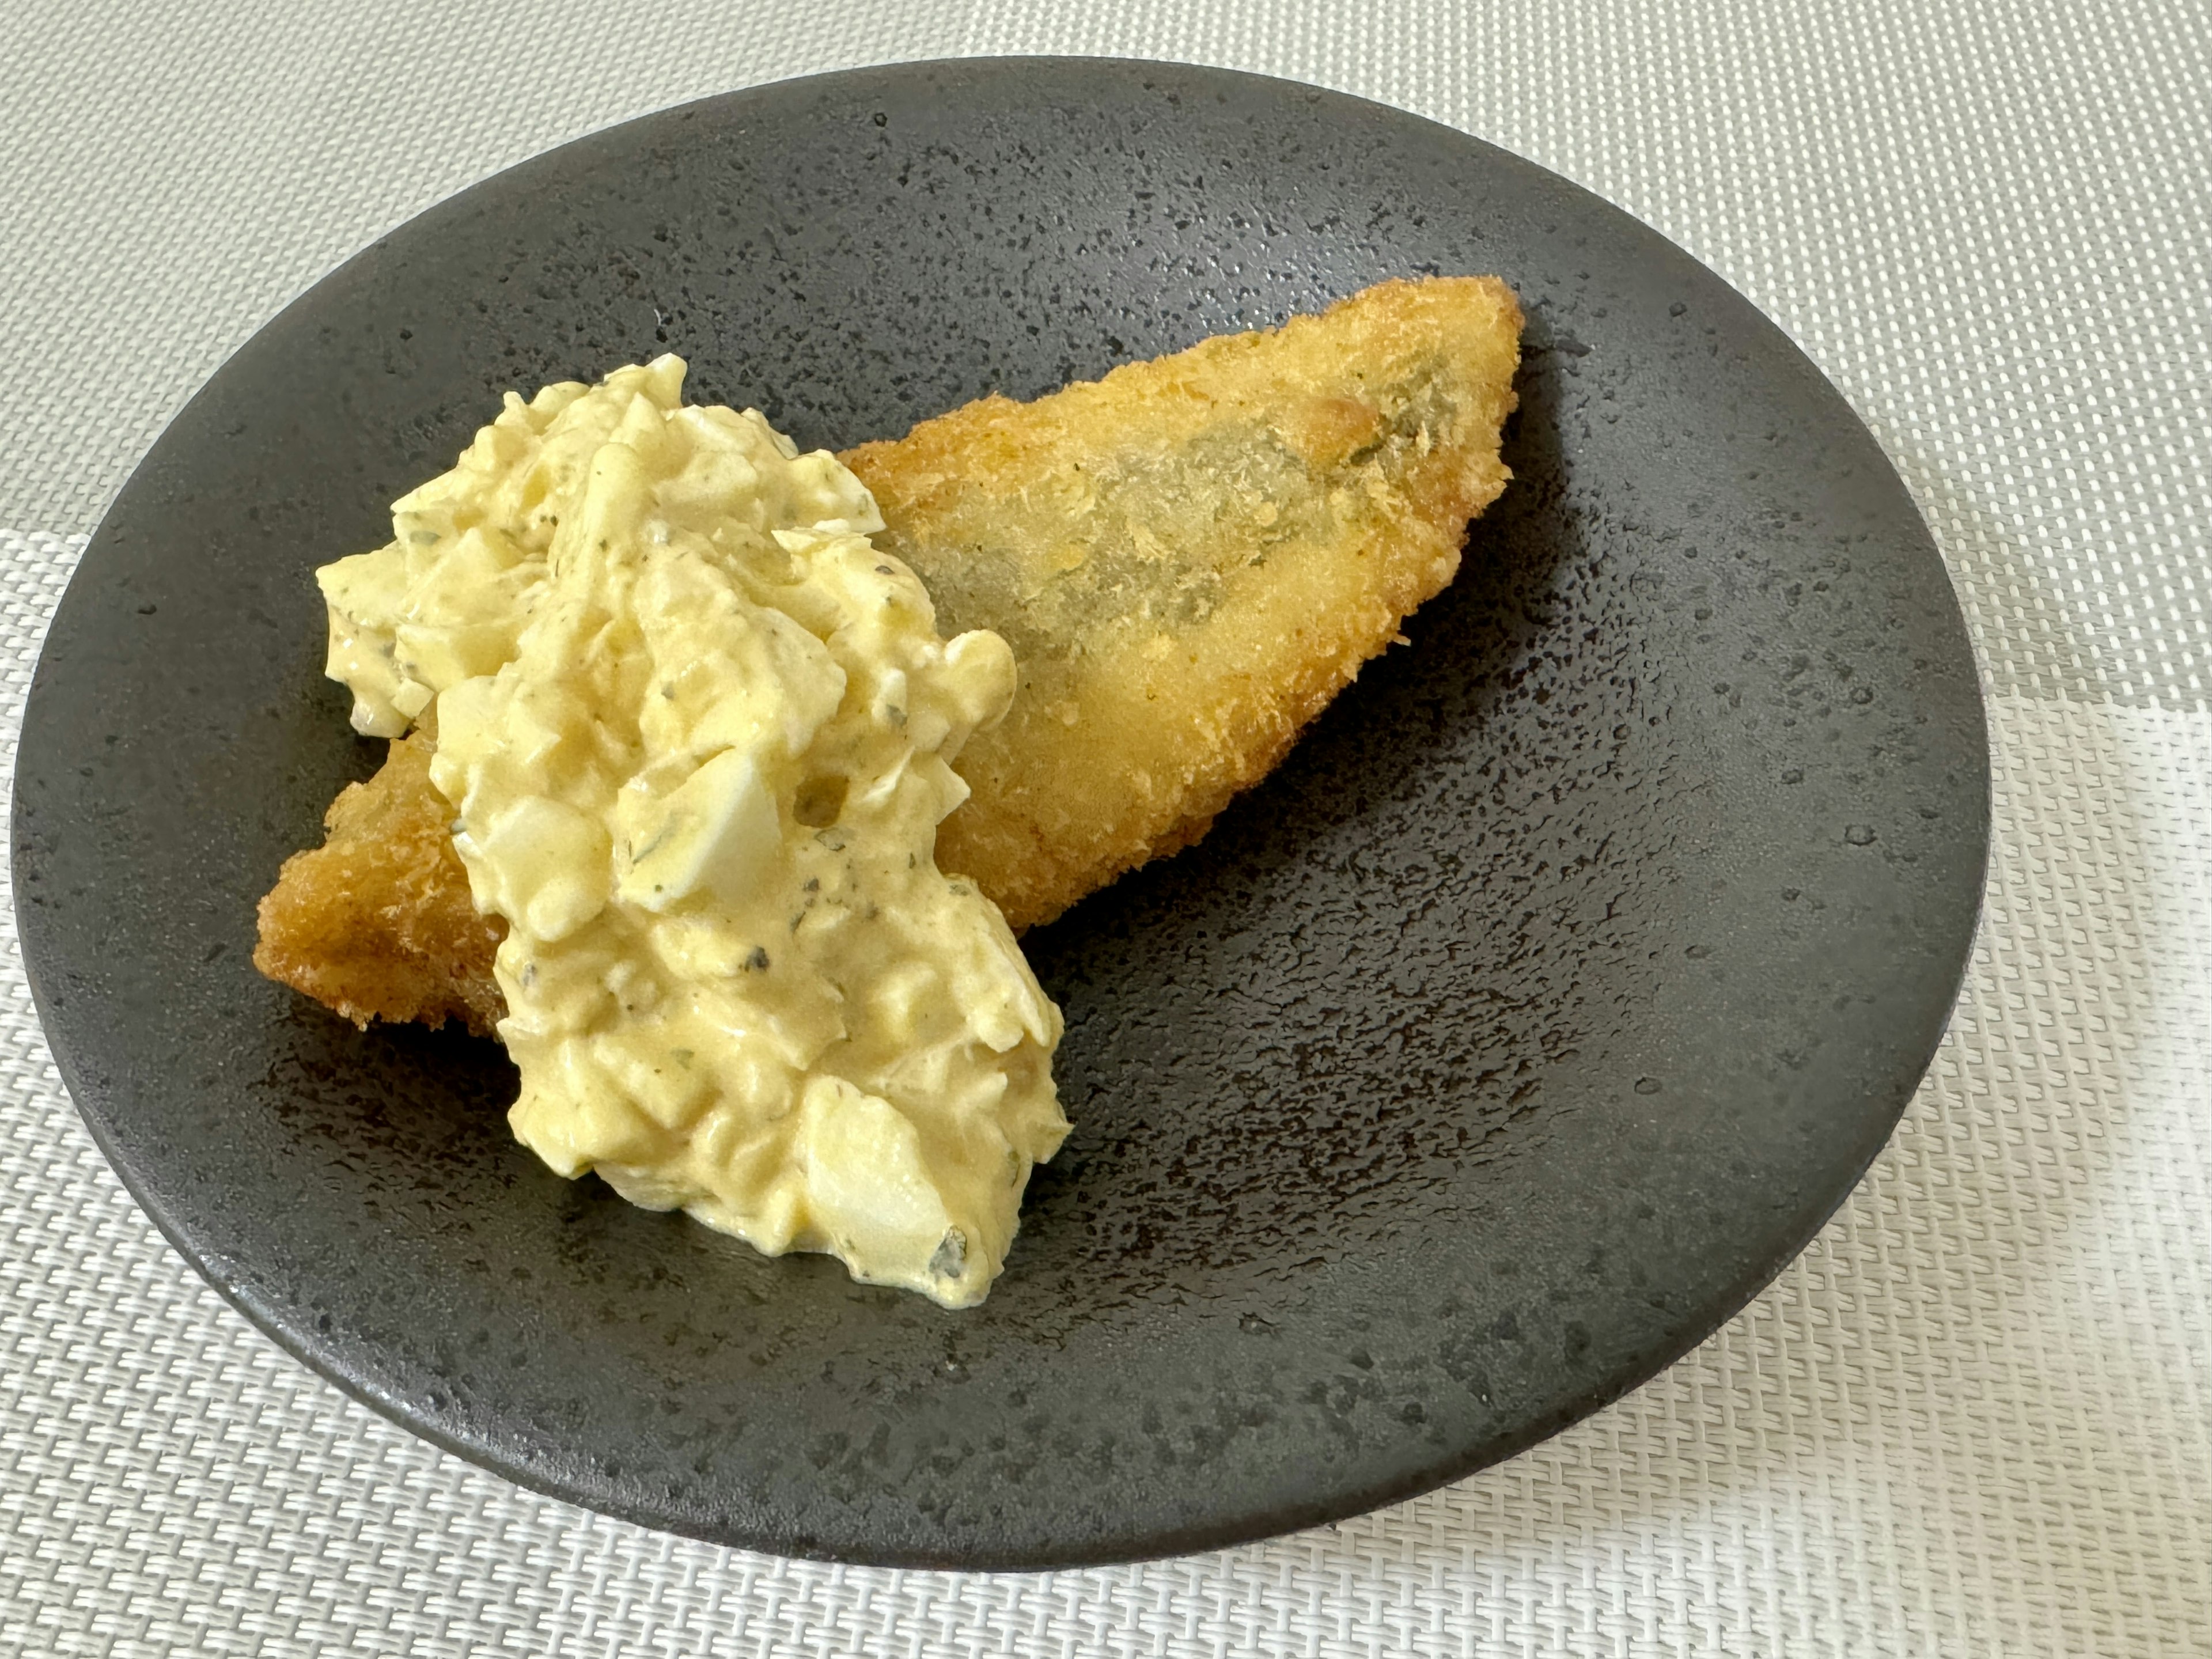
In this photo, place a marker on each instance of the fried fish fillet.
(1189, 556)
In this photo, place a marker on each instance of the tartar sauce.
(697, 732)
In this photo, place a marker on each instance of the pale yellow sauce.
(697, 734)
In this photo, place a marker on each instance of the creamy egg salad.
(697, 732)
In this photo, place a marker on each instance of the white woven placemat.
(1975, 1418)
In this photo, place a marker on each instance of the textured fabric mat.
(1975, 1418)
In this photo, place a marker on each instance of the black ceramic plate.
(1491, 1053)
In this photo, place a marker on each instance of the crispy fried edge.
(378, 923)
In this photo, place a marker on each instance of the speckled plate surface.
(1537, 1010)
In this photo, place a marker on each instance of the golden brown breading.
(1190, 558)
(377, 922)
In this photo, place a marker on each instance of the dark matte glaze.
(1491, 1053)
